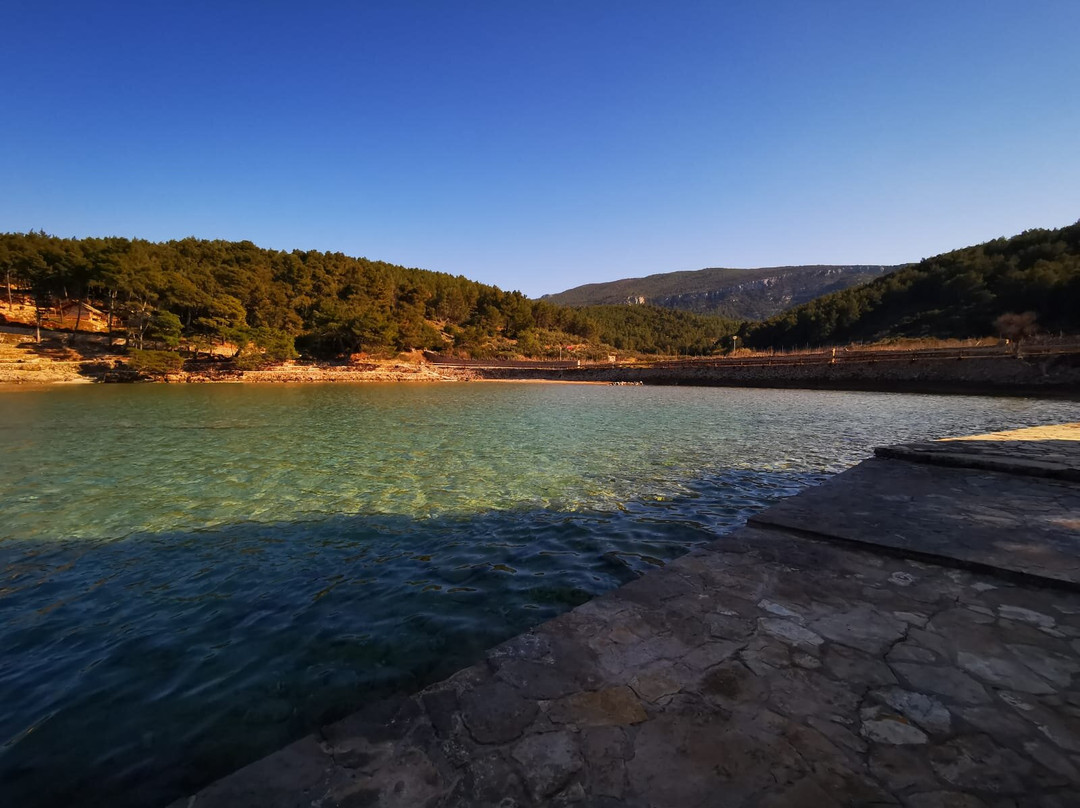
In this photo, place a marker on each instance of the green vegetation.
(194, 295)
(198, 294)
(158, 364)
(1012, 286)
(656, 330)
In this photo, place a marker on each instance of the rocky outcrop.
(20, 365)
(771, 294)
(740, 293)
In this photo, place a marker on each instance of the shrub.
(155, 363)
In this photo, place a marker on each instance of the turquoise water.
(193, 576)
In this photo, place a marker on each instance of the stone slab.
(1023, 525)
(767, 669)
(1045, 451)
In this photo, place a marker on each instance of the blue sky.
(544, 144)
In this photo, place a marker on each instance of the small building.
(89, 318)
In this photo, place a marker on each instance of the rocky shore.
(1038, 374)
(299, 373)
(76, 373)
(24, 364)
(21, 365)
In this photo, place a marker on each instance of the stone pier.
(907, 634)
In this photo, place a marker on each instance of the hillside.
(748, 294)
(198, 295)
(1015, 286)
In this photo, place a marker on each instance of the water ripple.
(192, 577)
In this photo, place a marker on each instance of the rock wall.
(1053, 375)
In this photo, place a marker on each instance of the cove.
(193, 576)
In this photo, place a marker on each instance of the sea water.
(193, 576)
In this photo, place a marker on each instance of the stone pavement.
(1044, 451)
(771, 668)
(980, 519)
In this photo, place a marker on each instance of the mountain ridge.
(754, 294)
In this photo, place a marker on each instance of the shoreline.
(1055, 375)
(1052, 376)
(8, 385)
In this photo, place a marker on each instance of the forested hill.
(747, 294)
(198, 293)
(1021, 284)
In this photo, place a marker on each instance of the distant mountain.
(754, 294)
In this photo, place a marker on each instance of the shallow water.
(193, 576)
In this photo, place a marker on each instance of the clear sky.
(542, 144)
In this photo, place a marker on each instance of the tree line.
(1031, 279)
(270, 304)
(200, 293)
